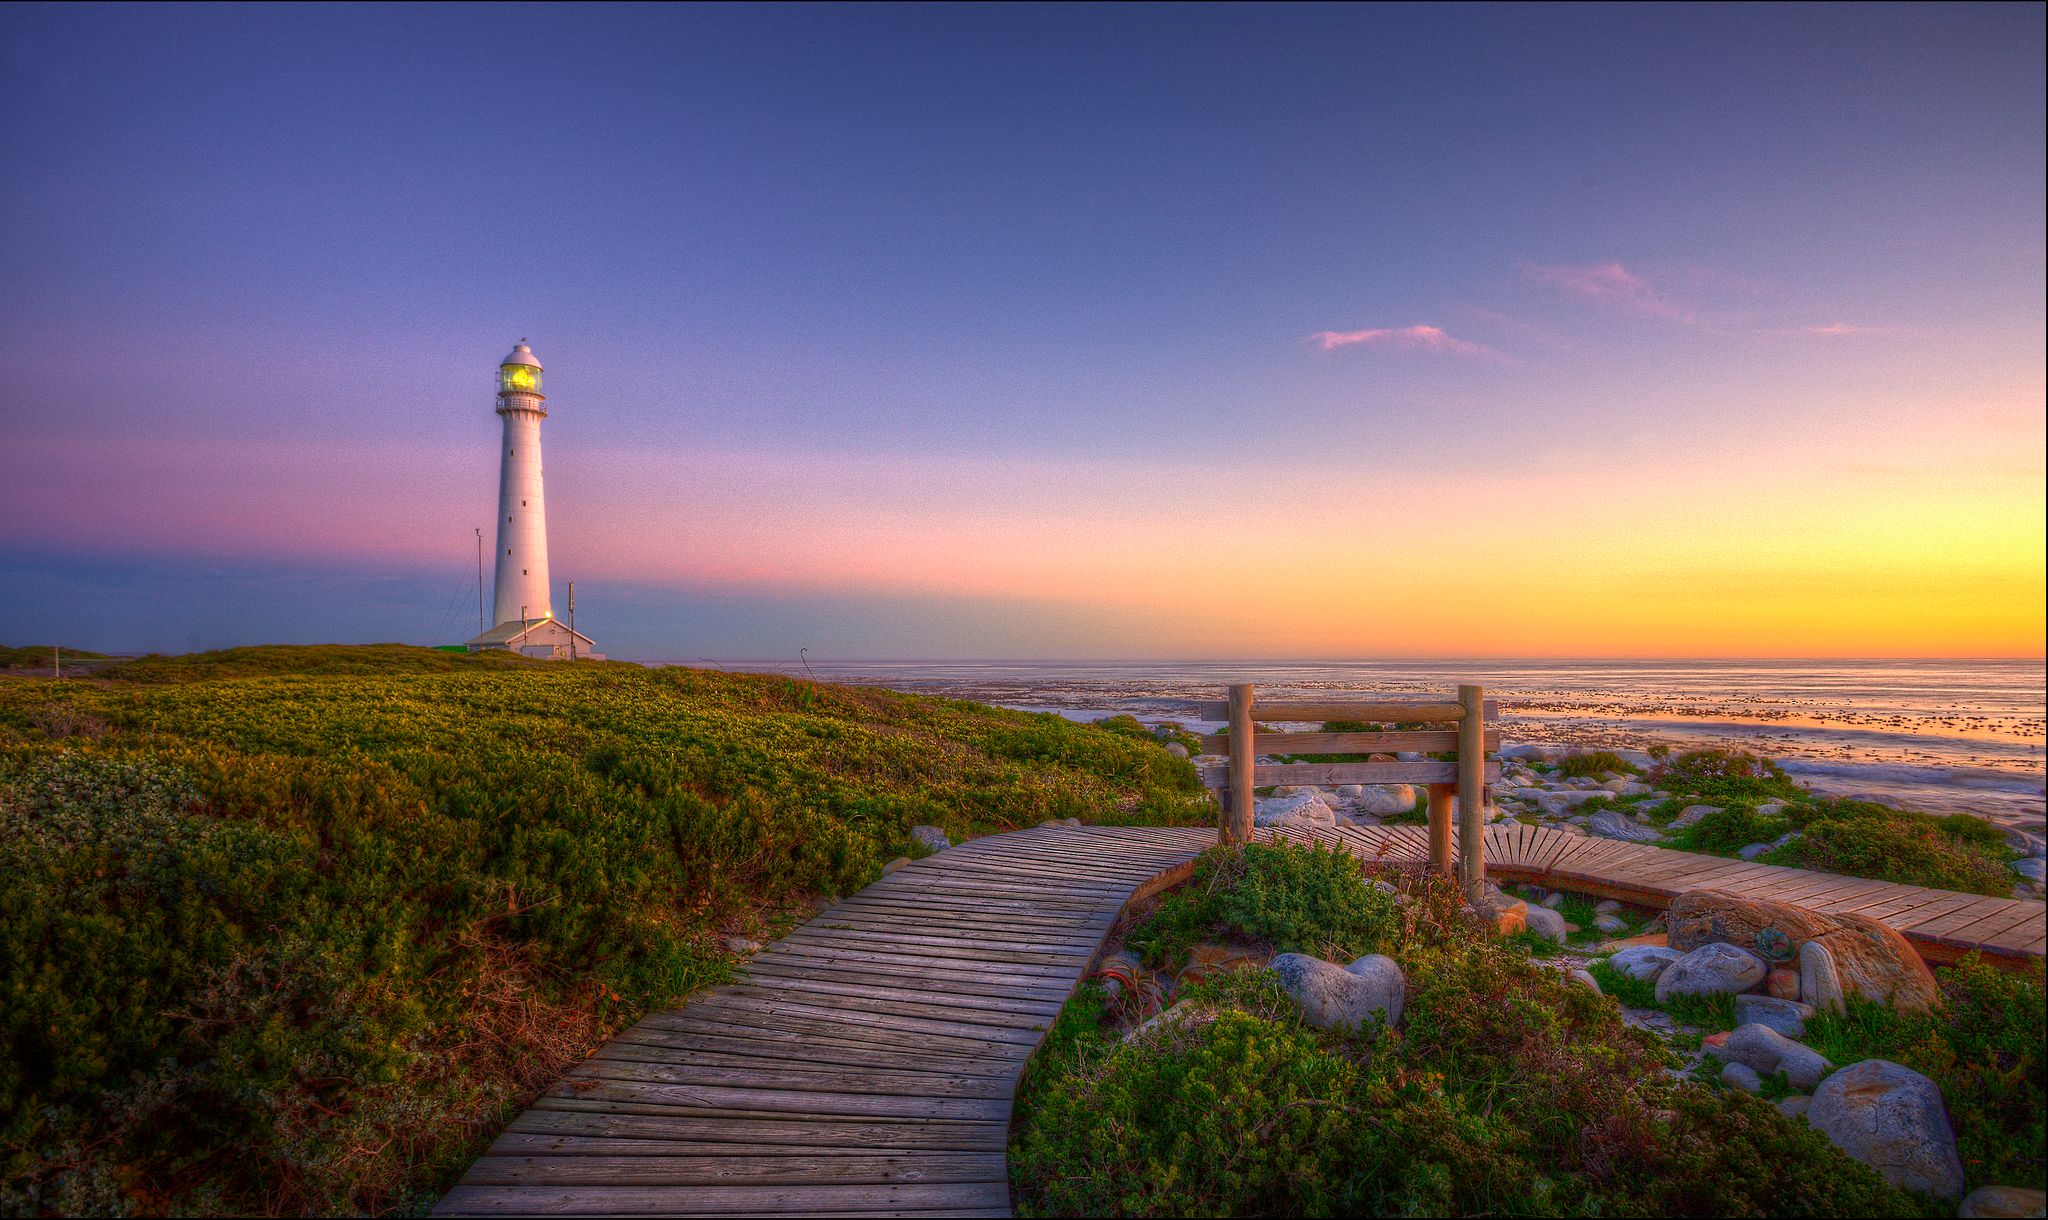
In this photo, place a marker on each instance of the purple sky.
(1019, 331)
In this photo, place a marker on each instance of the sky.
(1052, 332)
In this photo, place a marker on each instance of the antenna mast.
(572, 620)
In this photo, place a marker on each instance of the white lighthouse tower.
(521, 604)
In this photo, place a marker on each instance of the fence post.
(1440, 828)
(1472, 790)
(1237, 826)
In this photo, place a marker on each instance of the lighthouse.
(521, 604)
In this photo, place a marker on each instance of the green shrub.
(1594, 764)
(1725, 775)
(279, 941)
(1729, 829)
(1508, 1090)
(1861, 839)
(1988, 1050)
(1287, 898)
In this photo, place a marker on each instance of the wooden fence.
(1467, 769)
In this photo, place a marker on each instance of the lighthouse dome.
(521, 354)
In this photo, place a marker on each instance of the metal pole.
(572, 620)
(56, 662)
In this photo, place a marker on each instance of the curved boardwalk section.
(1943, 925)
(864, 1066)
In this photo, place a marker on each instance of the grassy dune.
(295, 929)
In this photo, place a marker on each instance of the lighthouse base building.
(521, 601)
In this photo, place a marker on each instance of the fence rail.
(1469, 770)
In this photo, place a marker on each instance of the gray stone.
(1609, 824)
(2033, 868)
(1820, 984)
(1750, 851)
(2001, 1202)
(1767, 1050)
(1711, 969)
(742, 945)
(930, 837)
(1606, 906)
(2022, 842)
(1585, 978)
(1176, 749)
(1692, 814)
(1738, 1076)
(1794, 1106)
(1384, 799)
(1548, 923)
(1408, 755)
(1892, 1119)
(895, 864)
(1788, 1017)
(1333, 996)
(1350, 790)
(1610, 923)
(1554, 900)
(1534, 752)
(1644, 962)
(1304, 808)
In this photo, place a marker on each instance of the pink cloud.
(1412, 338)
(1613, 285)
(1841, 330)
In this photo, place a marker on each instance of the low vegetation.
(1756, 802)
(1506, 1090)
(295, 930)
(1594, 764)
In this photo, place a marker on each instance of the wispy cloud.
(1842, 330)
(1411, 338)
(1612, 285)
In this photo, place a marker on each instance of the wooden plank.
(896, 1005)
(515, 1143)
(1237, 819)
(737, 1169)
(1419, 741)
(866, 1022)
(763, 1076)
(783, 1101)
(940, 1198)
(1329, 774)
(1437, 710)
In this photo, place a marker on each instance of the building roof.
(512, 629)
(521, 354)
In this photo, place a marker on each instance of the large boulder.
(1545, 922)
(1892, 1119)
(1766, 1050)
(1711, 969)
(1333, 997)
(1610, 824)
(2001, 1202)
(1870, 959)
(1643, 961)
(1301, 809)
(1788, 1017)
(1384, 800)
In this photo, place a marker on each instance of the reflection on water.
(1936, 735)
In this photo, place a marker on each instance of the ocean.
(1937, 736)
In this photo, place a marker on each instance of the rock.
(1892, 1119)
(2033, 868)
(1820, 984)
(740, 945)
(1384, 799)
(1606, 906)
(1711, 969)
(1408, 755)
(1610, 923)
(1767, 1050)
(1545, 922)
(1555, 803)
(1333, 996)
(1294, 789)
(1609, 824)
(1750, 851)
(1794, 1106)
(1585, 978)
(1505, 916)
(2004, 1201)
(930, 837)
(1692, 814)
(1870, 959)
(1788, 1017)
(1644, 962)
(1535, 753)
(2022, 842)
(1782, 983)
(1737, 1076)
(1179, 1016)
(1554, 899)
(1176, 749)
(1350, 790)
(895, 864)
(1305, 808)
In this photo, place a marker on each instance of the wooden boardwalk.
(1943, 925)
(865, 1064)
